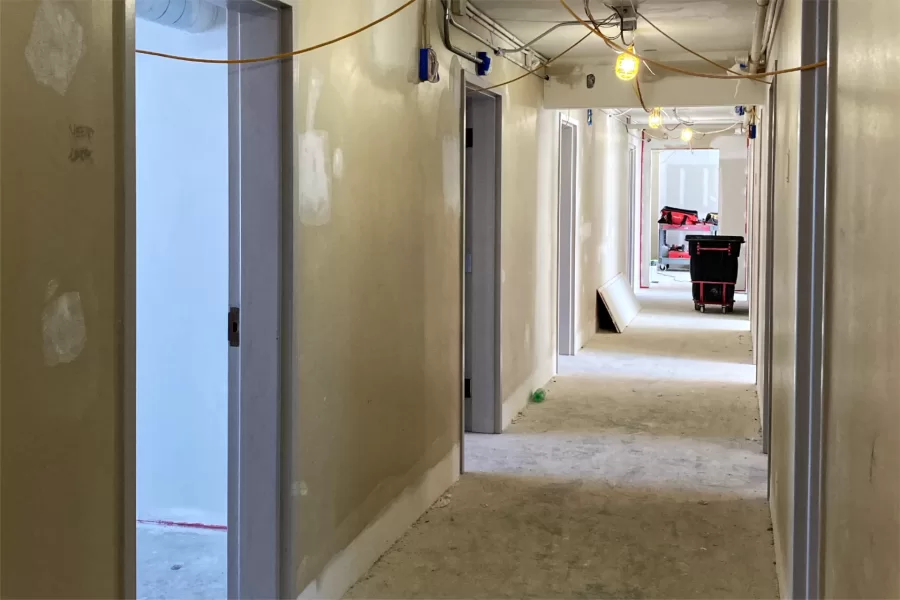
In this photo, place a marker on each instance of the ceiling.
(699, 117)
(719, 29)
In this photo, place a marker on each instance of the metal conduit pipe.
(759, 25)
(771, 27)
(193, 16)
(450, 21)
(539, 38)
(491, 24)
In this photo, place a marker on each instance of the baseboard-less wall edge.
(355, 560)
(518, 400)
(784, 590)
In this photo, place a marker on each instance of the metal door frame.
(261, 286)
(816, 32)
(473, 84)
(565, 319)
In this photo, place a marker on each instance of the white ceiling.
(719, 29)
(698, 117)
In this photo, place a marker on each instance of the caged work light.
(627, 65)
(655, 118)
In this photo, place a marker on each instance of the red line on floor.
(185, 525)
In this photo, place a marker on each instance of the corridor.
(640, 476)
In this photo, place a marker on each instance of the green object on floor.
(539, 395)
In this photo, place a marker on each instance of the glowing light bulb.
(655, 119)
(687, 134)
(627, 65)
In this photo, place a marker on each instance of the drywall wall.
(862, 458)
(377, 264)
(685, 178)
(182, 277)
(63, 443)
(689, 180)
(784, 288)
(602, 216)
(733, 201)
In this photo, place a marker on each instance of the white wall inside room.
(182, 278)
(732, 192)
(690, 180)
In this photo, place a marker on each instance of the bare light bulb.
(627, 65)
(655, 119)
(687, 134)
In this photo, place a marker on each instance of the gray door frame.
(768, 267)
(816, 31)
(260, 286)
(567, 208)
(632, 195)
(482, 411)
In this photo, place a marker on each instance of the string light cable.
(675, 69)
(539, 67)
(697, 54)
(244, 61)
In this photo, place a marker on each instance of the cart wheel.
(696, 306)
(702, 308)
(662, 267)
(729, 308)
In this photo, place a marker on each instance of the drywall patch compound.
(64, 330)
(55, 46)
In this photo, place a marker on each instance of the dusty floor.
(641, 476)
(177, 564)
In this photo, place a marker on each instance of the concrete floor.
(640, 476)
(177, 564)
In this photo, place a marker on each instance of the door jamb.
(471, 82)
(566, 121)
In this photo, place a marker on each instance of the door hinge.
(470, 137)
(234, 327)
(468, 391)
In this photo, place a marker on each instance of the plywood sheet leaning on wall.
(618, 299)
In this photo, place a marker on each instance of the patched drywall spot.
(55, 46)
(314, 163)
(337, 163)
(64, 330)
(502, 276)
(52, 286)
(312, 99)
(315, 178)
(586, 230)
(450, 162)
(299, 488)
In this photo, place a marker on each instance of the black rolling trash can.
(714, 269)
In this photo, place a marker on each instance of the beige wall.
(862, 437)
(62, 456)
(602, 214)
(787, 52)
(378, 267)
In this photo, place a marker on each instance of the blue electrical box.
(484, 67)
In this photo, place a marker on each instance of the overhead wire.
(675, 69)
(539, 67)
(686, 49)
(284, 55)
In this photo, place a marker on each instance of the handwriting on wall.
(82, 139)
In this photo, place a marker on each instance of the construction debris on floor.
(641, 476)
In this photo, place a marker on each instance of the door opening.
(483, 409)
(212, 181)
(632, 197)
(568, 143)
